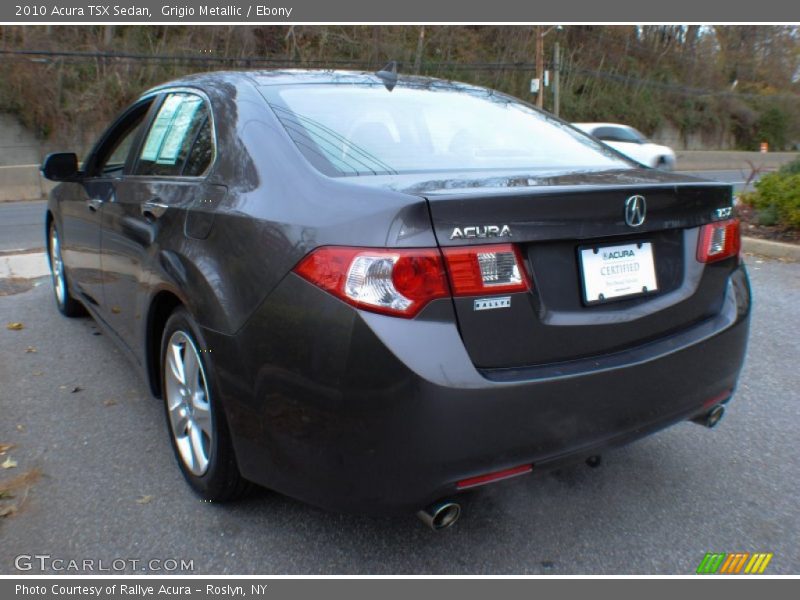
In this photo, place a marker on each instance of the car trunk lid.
(552, 220)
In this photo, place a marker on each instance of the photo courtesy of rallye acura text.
(371, 292)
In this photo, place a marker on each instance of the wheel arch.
(161, 307)
(48, 219)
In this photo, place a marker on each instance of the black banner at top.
(54, 12)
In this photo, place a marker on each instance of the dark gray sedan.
(372, 294)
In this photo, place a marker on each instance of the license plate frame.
(628, 281)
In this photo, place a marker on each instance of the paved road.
(21, 225)
(21, 222)
(737, 177)
(653, 507)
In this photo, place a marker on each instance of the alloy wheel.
(57, 267)
(188, 403)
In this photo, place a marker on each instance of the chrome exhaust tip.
(711, 418)
(440, 515)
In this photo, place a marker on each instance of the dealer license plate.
(611, 272)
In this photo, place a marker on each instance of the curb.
(25, 265)
(770, 248)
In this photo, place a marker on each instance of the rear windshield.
(355, 129)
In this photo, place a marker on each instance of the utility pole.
(108, 36)
(556, 78)
(420, 49)
(540, 65)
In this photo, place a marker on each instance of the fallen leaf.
(24, 479)
(21, 428)
(109, 402)
(15, 326)
(8, 463)
(30, 350)
(5, 448)
(76, 389)
(7, 511)
(145, 499)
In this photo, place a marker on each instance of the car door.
(82, 212)
(166, 180)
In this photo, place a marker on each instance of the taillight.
(718, 241)
(395, 282)
(480, 270)
(401, 282)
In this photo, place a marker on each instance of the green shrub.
(768, 216)
(777, 197)
(792, 168)
(772, 126)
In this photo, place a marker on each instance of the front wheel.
(198, 429)
(66, 304)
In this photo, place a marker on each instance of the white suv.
(631, 143)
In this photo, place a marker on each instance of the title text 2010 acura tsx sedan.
(370, 294)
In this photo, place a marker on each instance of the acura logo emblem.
(635, 210)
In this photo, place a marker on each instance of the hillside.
(717, 87)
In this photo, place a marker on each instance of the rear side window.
(201, 153)
(179, 141)
(616, 134)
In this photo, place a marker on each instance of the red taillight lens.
(718, 241)
(401, 282)
(395, 282)
(478, 270)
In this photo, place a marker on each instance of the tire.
(66, 304)
(196, 422)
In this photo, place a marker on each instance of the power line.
(671, 87)
(75, 57)
(117, 56)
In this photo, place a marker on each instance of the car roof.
(302, 76)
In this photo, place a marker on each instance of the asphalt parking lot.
(109, 489)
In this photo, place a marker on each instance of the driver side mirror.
(61, 166)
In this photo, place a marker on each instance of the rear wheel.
(66, 304)
(198, 429)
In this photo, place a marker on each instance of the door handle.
(153, 209)
(94, 204)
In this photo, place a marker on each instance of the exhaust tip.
(711, 418)
(440, 515)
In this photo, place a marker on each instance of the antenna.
(388, 75)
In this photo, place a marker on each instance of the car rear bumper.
(361, 412)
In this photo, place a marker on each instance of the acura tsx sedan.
(371, 293)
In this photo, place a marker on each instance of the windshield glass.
(360, 129)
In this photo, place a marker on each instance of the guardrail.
(712, 160)
(22, 182)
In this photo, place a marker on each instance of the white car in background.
(631, 143)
